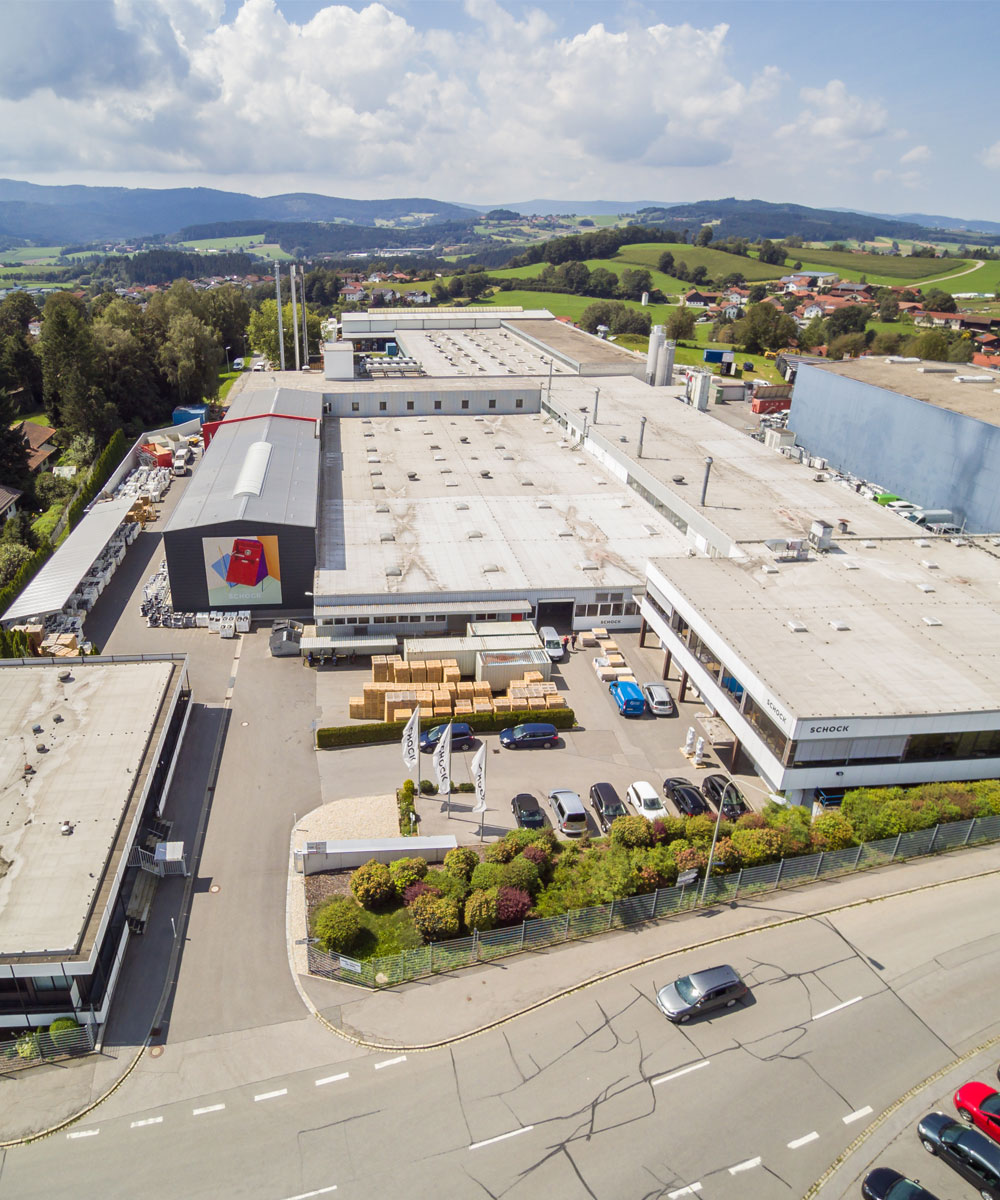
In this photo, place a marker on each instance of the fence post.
(475, 943)
(431, 945)
(819, 867)
(523, 923)
(895, 849)
(611, 914)
(930, 848)
(857, 857)
(968, 832)
(739, 880)
(566, 927)
(781, 867)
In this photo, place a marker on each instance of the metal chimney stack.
(305, 333)
(653, 352)
(295, 315)
(665, 364)
(642, 434)
(281, 331)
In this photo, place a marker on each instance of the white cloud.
(834, 120)
(990, 157)
(916, 154)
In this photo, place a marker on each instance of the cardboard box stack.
(434, 686)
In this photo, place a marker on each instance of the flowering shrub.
(372, 885)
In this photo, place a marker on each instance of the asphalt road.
(592, 1096)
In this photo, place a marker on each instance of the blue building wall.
(928, 455)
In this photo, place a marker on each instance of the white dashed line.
(837, 1007)
(502, 1137)
(200, 1112)
(84, 1133)
(148, 1121)
(688, 1191)
(683, 1071)
(317, 1192)
(803, 1141)
(271, 1095)
(745, 1166)
(856, 1116)
(333, 1078)
(390, 1062)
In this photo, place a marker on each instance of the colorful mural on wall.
(243, 570)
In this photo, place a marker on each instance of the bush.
(513, 906)
(832, 831)
(757, 846)
(522, 874)
(752, 820)
(404, 871)
(428, 787)
(461, 862)
(631, 832)
(420, 888)
(454, 887)
(519, 838)
(27, 1045)
(668, 829)
(700, 830)
(615, 874)
(63, 1032)
(540, 855)
(486, 875)
(392, 731)
(407, 808)
(371, 884)
(691, 858)
(337, 925)
(481, 910)
(434, 918)
(464, 787)
(727, 857)
(500, 852)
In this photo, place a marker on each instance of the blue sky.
(877, 106)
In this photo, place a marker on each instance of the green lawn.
(881, 268)
(43, 526)
(223, 243)
(31, 254)
(716, 262)
(985, 279)
(385, 933)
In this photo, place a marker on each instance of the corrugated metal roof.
(233, 482)
(61, 575)
(358, 645)
(409, 605)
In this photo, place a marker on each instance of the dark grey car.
(701, 992)
(965, 1150)
(607, 804)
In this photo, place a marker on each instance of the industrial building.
(926, 431)
(87, 748)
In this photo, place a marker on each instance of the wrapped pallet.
(442, 711)
(482, 706)
(555, 701)
(611, 647)
(433, 666)
(536, 703)
(380, 668)
(586, 638)
(533, 677)
(356, 708)
(599, 633)
(463, 708)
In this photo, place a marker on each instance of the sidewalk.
(448, 1007)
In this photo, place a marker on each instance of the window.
(767, 731)
(382, 405)
(437, 405)
(492, 403)
(355, 406)
(409, 406)
(465, 404)
(519, 403)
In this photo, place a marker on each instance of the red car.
(978, 1104)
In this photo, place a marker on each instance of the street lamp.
(227, 360)
(711, 853)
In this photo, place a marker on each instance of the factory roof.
(577, 345)
(476, 352)
(262, 465)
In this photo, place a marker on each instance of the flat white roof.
(92, 759)
(476, 352)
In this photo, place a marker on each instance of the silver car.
(659, 699)
(691, 995)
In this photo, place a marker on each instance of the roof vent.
(565, 532)
(898, 358)
(796, 626)
(957, 541)
(589, 565)
(461, 508)
(974, 379)
(250, 481)
(840, 626)
(485, 475)
(930, 620)
(412, 475)
(387, 537)
(868, 545)
(542, 504)
(677, 478)
(474, 533)
(928, 564)
(382, 508)
(926, 587)
(769, 569)
(527, 483)
(491, 569)
(922, 542)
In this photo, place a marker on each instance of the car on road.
(237, 364)
(720, 789)
(700, 992)
(659, 699)
(526, 737)
(965, 1150)
(462, 737)
(685, 795)
(527, 811)
(978, 1104)
(258, 366)
(643, 798)
(886, 1184)
(607, 804)
(567, 808)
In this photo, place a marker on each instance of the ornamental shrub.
(631, 832)
(481, 910)
(453, 886)
(691, 858)
(404, 871)
(512, 906)
(752, 820)
(699, 830)
(500, 852)
(522, 874)
(27, 1045)
(727, 857)
(371, 884)
(519, 838)
(661, 861)
(428, 787)
(757, 846)
(420, 888)
(63, 1032)
(486, 875)
(435, 918)
(832, 831)
(538, 854)
(667, 829)
(615, 874)
(461, 862)
(337, 924)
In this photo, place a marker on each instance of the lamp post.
(227, 360)
(711, 853)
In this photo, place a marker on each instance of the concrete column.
(682, 691)
(734, 756)
(668, 658)
(642, 632)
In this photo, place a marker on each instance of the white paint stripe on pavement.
(333, 1078)
(84, 1133)
(502, 1137)
(858, 1114)
(745, 1166)
(317, 1192)
(148, 1121)
(271, 1095)
(688, 1191)
(683, 1071)
(198, 1112)
(390, 1062)
(837, 1007)
(803, 1141)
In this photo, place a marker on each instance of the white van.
(552, 642)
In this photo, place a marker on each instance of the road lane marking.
(84, 1133)
(683, 1071)
(502, 1137)
(271, 1095)
(745, 1166)
(390, 1062)
(198, 1112)
(148, 1121)
(837, 1007)
(856, 1116)
(803, 1141)
(317, 1192)
(332, 1078)
(688, 1191)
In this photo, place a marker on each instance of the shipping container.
(777, 404)
(499, 628)
(499, 668)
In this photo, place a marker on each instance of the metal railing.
(39, 1046)
(665, 902)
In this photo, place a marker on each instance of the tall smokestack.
(295, 315)
(653, 352)
(665, 364)
(281, 331)
(305, 331)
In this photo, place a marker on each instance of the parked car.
(701, 992)
(659, 699)
(527, 811)
(886, 1184)
(720, 789)
(978, 1104)
(685, 795)
(567, 807)
(607, 804)
(629, 699)
(643, 798)
(237, 364)
(966, 1151)
(524, 737)
(462, 737)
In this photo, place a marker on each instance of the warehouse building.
(927, 431)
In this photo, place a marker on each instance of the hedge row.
(391, 731)
(104, 464)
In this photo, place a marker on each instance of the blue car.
(462, 737)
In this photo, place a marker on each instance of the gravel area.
(344, 820)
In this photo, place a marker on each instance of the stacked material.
(433, 685)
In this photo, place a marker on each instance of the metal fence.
(31, 1049)
(665, 902)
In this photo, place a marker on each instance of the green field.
(667, 284)
(563, 305)
(34, 255)
(716, 262)
(223, 243)
(882, 268)
(984, 279)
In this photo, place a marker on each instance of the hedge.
(104, 464)
(391, 731)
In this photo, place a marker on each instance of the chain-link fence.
(585, 922)
(40, 1046)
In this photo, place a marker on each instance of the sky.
(856, 104)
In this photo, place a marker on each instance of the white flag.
(442, 760)
(411, 745)
(479, 778)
